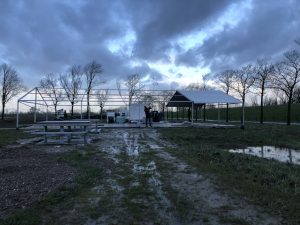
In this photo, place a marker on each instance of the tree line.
(282, 78)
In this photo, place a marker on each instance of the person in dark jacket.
(148, 115)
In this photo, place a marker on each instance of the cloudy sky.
(172, 41)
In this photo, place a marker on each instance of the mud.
(144, 184)
(202, 202)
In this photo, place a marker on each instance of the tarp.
(136, 112)
(185, 98)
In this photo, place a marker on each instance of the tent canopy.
(198, 98)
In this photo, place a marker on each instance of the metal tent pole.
(81, 110)
(47, 113)
(35, 99)
(192, 113)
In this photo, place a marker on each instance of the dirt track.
(147, 180)
(144, 184)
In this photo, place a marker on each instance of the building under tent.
(198, 99)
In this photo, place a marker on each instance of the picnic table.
(65, 129)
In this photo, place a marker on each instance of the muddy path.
(144, 184)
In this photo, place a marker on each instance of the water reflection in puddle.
(271, 152)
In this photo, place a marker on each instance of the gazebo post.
(192, 113)
(204, 112)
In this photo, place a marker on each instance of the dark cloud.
(39, 37)
(268, 31)
(158, 22)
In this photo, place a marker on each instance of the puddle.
(271, 152)
(154, 146)
(131, 142)
(150, 167)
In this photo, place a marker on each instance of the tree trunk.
(262, 106)
(55, 110)
(101, 110)
(288, 122)
(227, 109)
(88, 104)
(3, 108)
(72, 109)
(243, 114)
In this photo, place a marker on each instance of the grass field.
(10, 136)
(123, 191)
(252, 113)
(273, 185)
(271, 113)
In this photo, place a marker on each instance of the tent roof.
(186, 98)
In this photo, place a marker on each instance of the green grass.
(276, 113)
(271, 113)
(11, 136)
(273, 185)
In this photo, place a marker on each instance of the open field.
(151, 176)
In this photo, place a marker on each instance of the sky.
(171, 42)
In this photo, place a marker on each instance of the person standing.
(148, 115)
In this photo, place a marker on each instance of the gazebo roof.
(185, 98)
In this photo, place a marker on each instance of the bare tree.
(225, 79)
(71, 83)
(164, 98)
(102, 96)
(92, 73)
(296, 97)
(195, 87)
(133, 85)
(11, 85)
(49, 85)
(206, 78)
(243, 81)
(263, 73)
(287, 77)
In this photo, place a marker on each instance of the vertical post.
(81, 111)
(192, 113)
(218, 113)
(17, 122)
(35, 99)
(167, 113)
(47, 113)
(204, 112)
